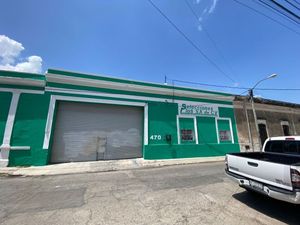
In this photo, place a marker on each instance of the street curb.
(100, 166)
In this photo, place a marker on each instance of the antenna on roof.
(165, 83)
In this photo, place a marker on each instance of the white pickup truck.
(274, 172)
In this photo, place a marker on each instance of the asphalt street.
(182, 194)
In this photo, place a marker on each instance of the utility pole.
(251, 98)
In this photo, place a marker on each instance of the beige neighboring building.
(274, 118)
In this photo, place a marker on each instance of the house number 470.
(155, 137)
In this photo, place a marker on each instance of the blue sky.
(130, 39)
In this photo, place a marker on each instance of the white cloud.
(10, 51)
(32, 65)
(200, 27)
(206, 11)
(213, 6)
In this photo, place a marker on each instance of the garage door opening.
(91, 132)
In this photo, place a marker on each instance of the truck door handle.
(253, 164)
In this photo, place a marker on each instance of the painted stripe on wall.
(133, 87)
(126, 97)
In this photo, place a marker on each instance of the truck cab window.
(288, 147)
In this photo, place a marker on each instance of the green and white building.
(67, 116)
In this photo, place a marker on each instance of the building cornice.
(134, 87)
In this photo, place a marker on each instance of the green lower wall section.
(188, 151)
(5, 99)
(29, 130)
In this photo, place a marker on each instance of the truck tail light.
(295, 178)
(290, 139)
(226, 162)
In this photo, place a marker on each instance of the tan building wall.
(271, 114)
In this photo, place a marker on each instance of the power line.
(190, 41)
(278, 89)
(297, 2)
(265, 15)
(233, 87)
(286, 9)
(292, 4)
(208, 35)
(209, 85)
(277, 11)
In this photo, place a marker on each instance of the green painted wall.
(207, 134)
(5, 99)
(188, 151)
(162, 121)
(206, 127)
(29, 130)
(31, 116)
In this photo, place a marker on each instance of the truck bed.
(267, 168)
(271, 157)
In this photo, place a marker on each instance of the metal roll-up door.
(88, 132)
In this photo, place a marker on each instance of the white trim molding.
(131, 97)
(5, 147)
(20, 148)
(22, 81)
(262, 121)
(217, 129)
(230, 127)
(178, 127)
(89, 82)
(146, 124)
(55, 98)
(284, 122)
(27, 91)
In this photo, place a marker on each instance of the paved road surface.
(190, 194)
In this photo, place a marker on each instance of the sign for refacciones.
(198, 109)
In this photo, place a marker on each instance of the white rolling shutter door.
(87, 132)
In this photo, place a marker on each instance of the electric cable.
(232, 87)
(190, 41)
(209, 36)
(275, 10)
(265, 15)
(285, 9)
(292, 4)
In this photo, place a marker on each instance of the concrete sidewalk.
(100, 166)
